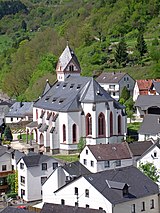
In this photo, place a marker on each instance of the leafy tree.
(141, 45)
(155, 53)
(81, 144)
(129, 108)
(8, 134)
(149, 170)
(11, 179)
(124, 94)
(121, 52)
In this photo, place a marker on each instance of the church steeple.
(67, 64)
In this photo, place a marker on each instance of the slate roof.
(4, 149)
(116, 151)
(32, 124)
(146, 101)
(150, 124)
(128, 175)
(76, 168)
(110, 77)
(137, 148)
(67, 96)
(65, 58)
(56, 208)
(157, 86)
(34, 159)
(47, 87)
(10, 209)
(20, 109)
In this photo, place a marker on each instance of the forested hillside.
(106, 35)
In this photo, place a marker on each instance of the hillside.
(33, 34)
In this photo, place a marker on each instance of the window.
(76, 191)
(44, 166)
(84, 161)
(88, 124)
(133, 208)
(155, 154)
(152, 204)
(113, 93)
(74, 132)
(12, 155)
(128, 86)
(118, 162)
(55, 165)
(43, 179)
(76, 204)
(71, 68)
(143, 206)
(100, 208)
(62, 202)
(92, 163)
(124, 79)
(36, 114)
(87, 206)
(11, 119)
(4, 167)
(86, 193)
(119, 125)
(22, 179)
(22, 192)
(111, 123)
(86, 151)
(64, 132)
(101, 125)
(112, 87)
(106, 164)
(21, 165)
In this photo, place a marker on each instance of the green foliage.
(12, 194)
(149, 170)
(24, 137)
(141, 44)
(67, 158)
(8, 134)
(121, 52)
(11, 182)
(125, 94)
(81, 144)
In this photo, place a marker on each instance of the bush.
(12, 195)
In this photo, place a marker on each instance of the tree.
(11, 182)
(121, 52)
(124, 94)
(24, 25)
(8, 134)
(149, 170)
(81, 144)
(141, 45)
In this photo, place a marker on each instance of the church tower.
(67, 65)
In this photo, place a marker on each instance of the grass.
(67, 158)
(24, 137)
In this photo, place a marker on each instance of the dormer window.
(71, 68)
(54, 99)
(61, 101)
(79, 86)
(125, 190)
(47, 98)
(64, 86)
(72, 85)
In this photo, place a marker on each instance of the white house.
(152, 155)
(19, 111)
(114, 82)
(33, 171)
(150, 128)
(101, 157)
(75, 107)
(61, 176)
(115, 191)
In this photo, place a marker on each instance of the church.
(75, 107)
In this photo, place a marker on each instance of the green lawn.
(24, 137)
(67, 158)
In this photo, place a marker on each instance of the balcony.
(4, 174)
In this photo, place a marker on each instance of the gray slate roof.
(150, 124)
(128, 175)
(104, 152)
(4, 149)
(67, 96)
(110, 77)
(137, 148)
(34, 159)
(157, 86)
(20, 109)
(146, 101)
(10, 209)
(66, 57)
(56, 208)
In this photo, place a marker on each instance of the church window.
(71, 68)
(36, 114)
(119, 124)
(101, 125)
(64, 132)
(111, 123)
(88, 124)
(74, 132)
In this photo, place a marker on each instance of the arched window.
(71, 68)
(119, 124)
(64, 133)
(88, 124)
(101, 125)
(36, 114)
(111, 123)
(74, 132)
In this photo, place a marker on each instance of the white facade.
(144, 137)
(30, 179)
(90, 162)
(136, 92)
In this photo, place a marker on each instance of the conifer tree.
(121, 52)
(8, 134)
(141, 45)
